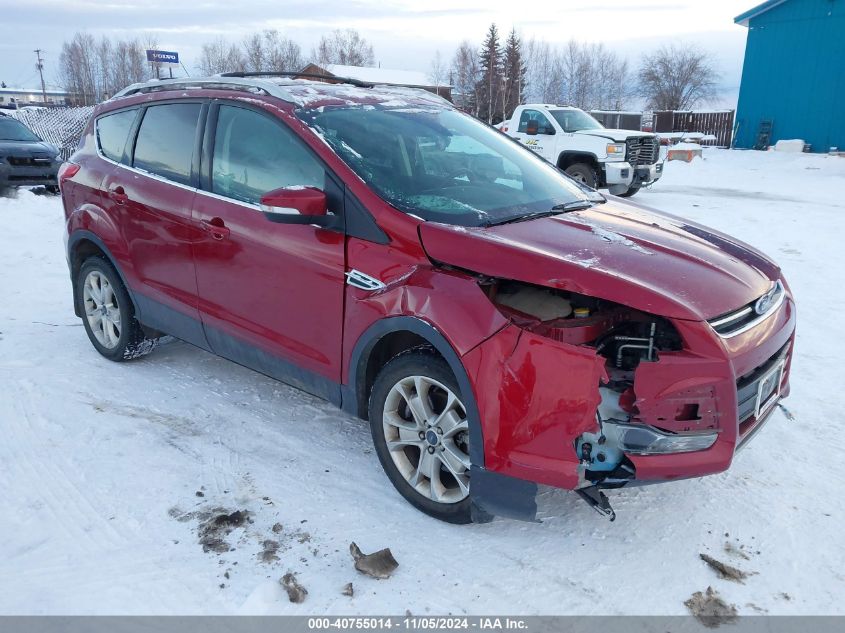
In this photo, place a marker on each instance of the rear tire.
(108, 314)
(583, 173)
(631, 191)
(421, 434)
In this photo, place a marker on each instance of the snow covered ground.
(102, 465)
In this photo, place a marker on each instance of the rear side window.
(165, 143)
(254, 154)
(112, 132)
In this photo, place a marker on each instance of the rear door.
(151, 201)
(271, 295)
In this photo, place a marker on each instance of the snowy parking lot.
(110, 471)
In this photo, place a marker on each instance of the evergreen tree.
(514, 80)
(490, 83)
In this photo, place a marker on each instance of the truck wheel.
(631, 191)
(108, 315)
(583, 173)
(421, 434)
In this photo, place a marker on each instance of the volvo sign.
(163, 57)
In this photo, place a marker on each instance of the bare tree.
(219, 56)
(344, 47)
(677, 77)
(437, 70)
(282, 53)
(255, 55)
(545, 79)
(588, 76)
(78, 70)
(465, 74)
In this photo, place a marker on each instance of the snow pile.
(793, 145)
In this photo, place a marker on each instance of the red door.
(270, 295)
(151, 203)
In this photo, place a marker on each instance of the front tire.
(583, 173)
(421, 434)
(108, 314)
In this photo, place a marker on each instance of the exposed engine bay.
(625, 338)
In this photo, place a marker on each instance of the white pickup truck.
(620, 160)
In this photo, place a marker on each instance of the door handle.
(217, 228)
(118, 194)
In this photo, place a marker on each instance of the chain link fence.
(62, 127)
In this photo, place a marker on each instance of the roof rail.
(218, 81)
(287, 73)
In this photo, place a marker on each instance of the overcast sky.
(405, 33)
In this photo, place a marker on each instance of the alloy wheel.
(427, 435)
(101, 309)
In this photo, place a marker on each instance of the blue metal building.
(793, 78)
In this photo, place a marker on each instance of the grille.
(746, 387)
(642, 150)
(29, 161)
(748, 316)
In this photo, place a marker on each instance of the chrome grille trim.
(642, 150)
(746, 318)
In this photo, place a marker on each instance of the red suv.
(499, 325)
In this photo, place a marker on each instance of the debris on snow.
(732, 549)
(270, 550)
(709, 608)
(724, 570)
(348, 590)
(380, 564)
(296, 592)
(277, 528)
(214, 530)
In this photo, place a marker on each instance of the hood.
(614, 135)
(33, 149)
(617, 251)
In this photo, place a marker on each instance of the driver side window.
(254, 154)
(544, 126)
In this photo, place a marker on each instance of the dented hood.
(616, 251)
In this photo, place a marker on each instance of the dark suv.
(25, 159)
(498, 324)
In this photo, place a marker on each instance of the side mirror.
(297, 205)
(532, 128)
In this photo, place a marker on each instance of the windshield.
(12, 130)
(441, 165)
(575, 120)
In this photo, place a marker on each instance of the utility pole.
(40, 66)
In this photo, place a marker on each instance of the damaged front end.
(581, 343)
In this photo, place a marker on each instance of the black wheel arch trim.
(492, 494)
(73, 240)
(567, 153)
(354, 398)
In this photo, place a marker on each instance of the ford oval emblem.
(765, 302)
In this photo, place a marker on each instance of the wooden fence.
(719, 123)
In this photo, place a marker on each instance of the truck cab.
(622, 161)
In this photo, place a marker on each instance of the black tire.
(630, 192)
(53, 190)
(583, 173)
(132, 342)
(413, 363)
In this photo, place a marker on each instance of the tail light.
(67, 171)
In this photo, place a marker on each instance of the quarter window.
(112, 132)
(254, 154)
(165, 144)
